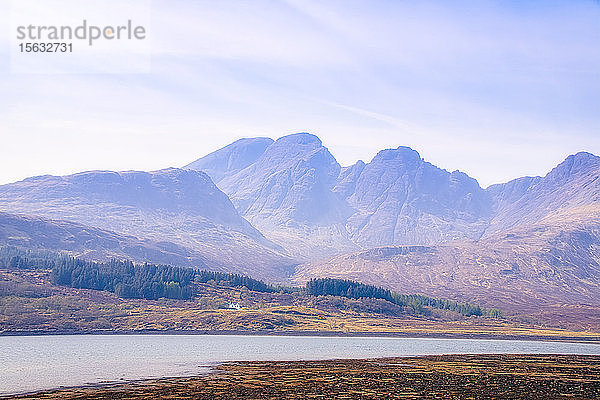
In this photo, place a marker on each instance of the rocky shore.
(431, 377)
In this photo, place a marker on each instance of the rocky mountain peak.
(300, 139)
(232, 158)
(573, 165)
(293, 175)
(571, 187)
(402, 154)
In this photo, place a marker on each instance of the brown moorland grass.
(433, 377)
(30, 303)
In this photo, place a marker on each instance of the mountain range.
(298, 195)
(287, 211)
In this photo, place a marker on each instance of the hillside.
(549, 271)
(94, 243)
(181, 209)
(31, 303)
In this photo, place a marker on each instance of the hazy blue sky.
(498, 89)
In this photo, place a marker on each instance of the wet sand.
(432, 377)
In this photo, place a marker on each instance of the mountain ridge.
(298, 195)
(182, 205)
(231, 158)
(286, 211)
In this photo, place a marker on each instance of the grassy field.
(31, 303)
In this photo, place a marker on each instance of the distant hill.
(94, 243)
(179, 206)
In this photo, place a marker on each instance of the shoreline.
(532, 376)
(111, 384)
(407, 335)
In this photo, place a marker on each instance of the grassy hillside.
(30, 302)
(44, 292)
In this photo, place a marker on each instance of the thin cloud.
(469, 85)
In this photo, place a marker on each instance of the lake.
(32, 363)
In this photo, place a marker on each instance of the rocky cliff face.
(569, 188)
(287, 194)
(298, 195)
(290, 182)
(400, 199)
(345, 184)
(505, 194)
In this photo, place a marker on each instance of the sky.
(497, 89)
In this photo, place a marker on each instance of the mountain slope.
(93, 243)
(181, 206)
(287, 194)
(399, 198)
(573, 184)
(540, 256)
(505, 194)
(514, 270)
(231, 158)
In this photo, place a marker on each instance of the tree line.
(346, 288)
(232, 280)
(124, 278)
(17, 258)
(150, 281)
(356, 290)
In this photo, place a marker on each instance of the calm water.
(29, 363)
